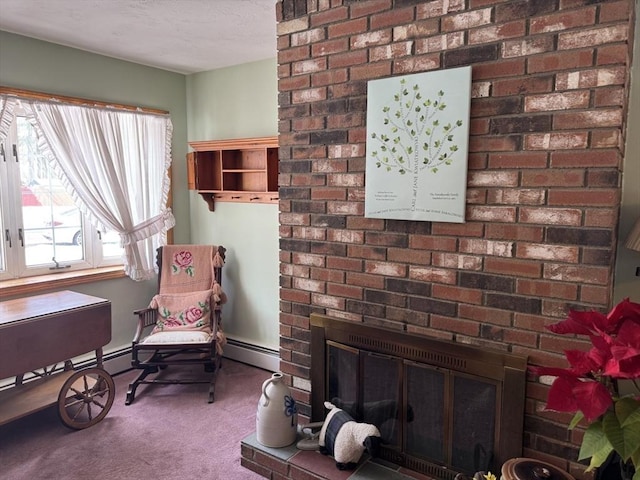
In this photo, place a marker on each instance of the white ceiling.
(184, 36)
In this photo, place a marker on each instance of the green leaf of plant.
(611, 428)
(594, 440)
(628, 411)
(599, 457)
(635, 459)
(576, 419)
(625, 440)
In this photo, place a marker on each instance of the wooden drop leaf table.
(39, 338)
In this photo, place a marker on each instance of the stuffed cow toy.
(345, 439)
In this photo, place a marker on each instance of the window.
(114, 161)
(42, 229)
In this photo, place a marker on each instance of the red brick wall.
(549, 98)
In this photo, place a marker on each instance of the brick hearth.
(289, 463)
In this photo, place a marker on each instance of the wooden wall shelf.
(235, 170)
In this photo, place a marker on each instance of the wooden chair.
(183, 323)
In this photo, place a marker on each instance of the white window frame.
(13, 263)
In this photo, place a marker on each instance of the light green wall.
(626, 283)
(31, 64)
(240, 102)
(233, 102)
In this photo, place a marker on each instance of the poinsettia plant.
(589, 387)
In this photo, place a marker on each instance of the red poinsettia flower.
(615, 354)
(592, 322)
(588, 387)
(570, 392)
(581, 362)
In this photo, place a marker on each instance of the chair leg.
(133, 386)
(212, 385)
(216, 365)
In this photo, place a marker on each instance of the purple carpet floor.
(168, 432)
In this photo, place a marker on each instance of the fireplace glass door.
(426, 433)
(423, 412)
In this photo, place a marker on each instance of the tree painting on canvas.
(417, 142)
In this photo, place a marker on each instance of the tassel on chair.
(218, 262)
(154, 302)
(221, 341)
(218, 294)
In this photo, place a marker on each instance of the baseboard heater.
(250, 354)
(116, 361)
(119, 360)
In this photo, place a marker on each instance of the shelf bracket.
(209, 198)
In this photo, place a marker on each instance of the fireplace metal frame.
(507, 370)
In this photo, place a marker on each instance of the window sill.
(27, 285)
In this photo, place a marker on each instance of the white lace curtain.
(7, 106)
(114, 163)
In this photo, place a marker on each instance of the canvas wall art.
(417, 146)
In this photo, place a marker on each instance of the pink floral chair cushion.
(183, 312)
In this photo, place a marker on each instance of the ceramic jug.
(277, 417)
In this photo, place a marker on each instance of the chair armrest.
(146, 318)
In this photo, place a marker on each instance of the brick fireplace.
(550, 87)
(442, 408)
